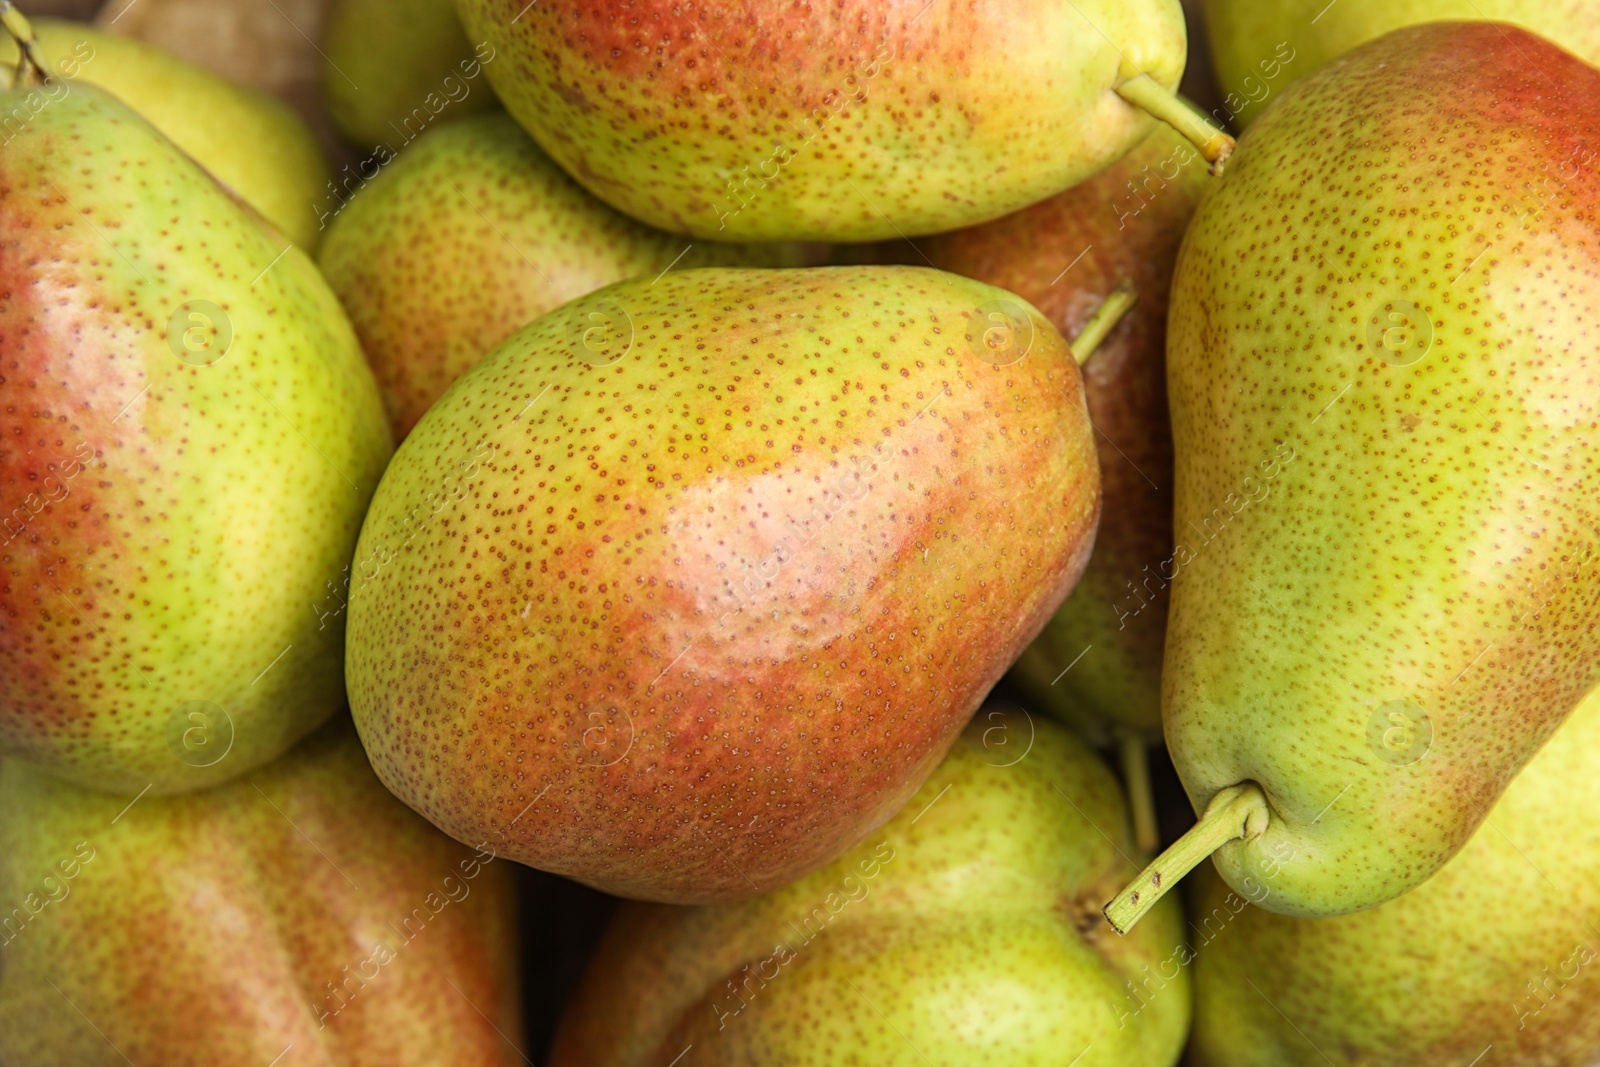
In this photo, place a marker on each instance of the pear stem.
(1136, 779)
(1162, 103)
(28, 54)
(1103, 321)
(1239, 811)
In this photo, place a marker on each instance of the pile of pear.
(640, 441)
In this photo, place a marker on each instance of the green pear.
(304, 914)
(1260, 46)
(1383, 403)
(188, 441)
(249, 142)
(501, 235)
(1503, 940)
(1097, 665)
(965, 931)
(383, 59)
(746, 121)
(695, 579)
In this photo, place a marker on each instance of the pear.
(696, 578)
(469, 236)
(249, 141)
(383, 59)
(1097, 665)
(1260, 46)
(1503, 939)
(964, 931)
(1384, 399)
(303, 909)
(190, 438)
(746, 121)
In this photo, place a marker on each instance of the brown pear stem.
(1214, 143)
(1237, 812)
(28, 54)
(1141, 799)
(1103, 321)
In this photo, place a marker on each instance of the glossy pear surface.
(690, 583)
(1385, 390)
(305, 909)
(383, 59)
(468, 236)
(1502, 939)
(864, 120)
(1097, 665)
(965, 931)
(250, 142)
(1246, 35)
(188, 441)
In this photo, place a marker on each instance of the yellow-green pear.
(1384, 385)
(249, 141)
(751, 121)
(188, 441)
(1494, 960)
(387, 62)
(964, 932)
(1260, 46)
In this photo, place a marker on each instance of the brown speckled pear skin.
(188, 440)
(1384, 371)
(1245, 35)
(471, 234)
(1499, 948)
(687, 618)
(1126, 224)
(966, 931)
(301, 907)
(747, 120)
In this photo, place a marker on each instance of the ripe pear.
(745, 121)
(470, 235)
(965, 931)
(1503, 940)
(190, 438)
(383, 58)
(1246, 36)
(249, 142)
(1384, 397)
(304, 909)
(695, 579)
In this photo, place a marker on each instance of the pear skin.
(303, 909)
(856, 121)
(1384, 392)
(965, 931)
(691, 582)
(1260, 46)
(468, 236)
(1503, 939)
(188, 441)
(249, 142)
(1097, 665)
(384, 58)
